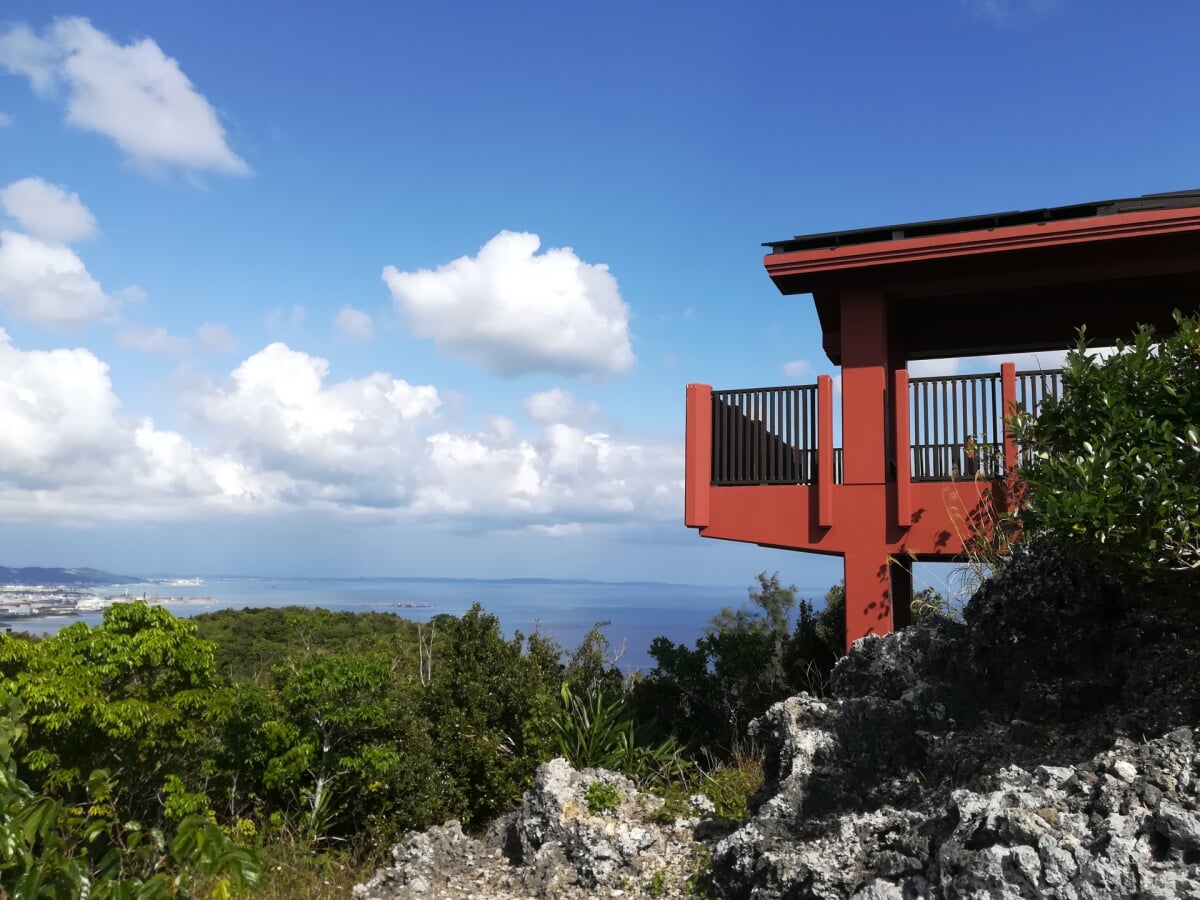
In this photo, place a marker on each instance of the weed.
(602, 798)
(657, 885)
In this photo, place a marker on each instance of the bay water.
(638, 611)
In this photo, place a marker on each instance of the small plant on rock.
(602, 797)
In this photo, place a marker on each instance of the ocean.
(639, 612)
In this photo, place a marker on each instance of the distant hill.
(39, 576)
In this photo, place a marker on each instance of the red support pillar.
(868, 606)
(903, 450)
(824, 451)
(697, 460)
(1008, 403)
(864, 387)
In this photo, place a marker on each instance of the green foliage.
(748, 659)
(130, 695)
(489, 707)
(1115, 467)
(249, 643)
(731, 784)
(657, 885)
(602, 797)
(598, 731)
(53, 849)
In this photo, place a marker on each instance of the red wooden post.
(868, 606)
(697, 459)
(1008, 403)
(824, 451)
(903, 453)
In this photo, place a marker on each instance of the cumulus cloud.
(47, 283)
(512, 310)
(47, 211)
(67, 450)
(156, 341)
(354, 326)
(216, 338)
(132, 93)
(556, 405)
(564, 474)
(352, 442)
(281, 434)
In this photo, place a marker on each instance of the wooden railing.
(957, 422)
(955, 429)
(766, 436)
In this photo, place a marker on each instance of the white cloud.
(354, 326)
(67, 451)
(47, 283)
(47, 211)
(5, 120)
(152, 341)
(216, 338)
(975, 365)
(132, 93)
(565, 474)
(558, 406)
(354, 442)
(513, 311)
(281, 435)
(797, 368)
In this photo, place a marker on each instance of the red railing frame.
(697, 459)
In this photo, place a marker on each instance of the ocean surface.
(639, 612)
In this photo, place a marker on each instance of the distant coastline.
(79, 577)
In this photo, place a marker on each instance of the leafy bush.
(748, 659)
(132, 694)
(53, 849)
(598, 731)
(1115, 467)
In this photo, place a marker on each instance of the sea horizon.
(564, 609)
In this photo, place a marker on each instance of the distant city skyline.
(417, 289)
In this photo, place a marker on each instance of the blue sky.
(403, 288)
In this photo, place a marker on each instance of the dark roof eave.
(1173, 200)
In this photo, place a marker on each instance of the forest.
(279, 751)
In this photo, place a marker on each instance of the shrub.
(1115, 467)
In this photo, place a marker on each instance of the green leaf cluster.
(748, 658)
(53, 849)
(1114, 464)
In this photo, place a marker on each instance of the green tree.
(490, 707)
(1115, 462)
(131, 695)
(55, 849)
(748, 658)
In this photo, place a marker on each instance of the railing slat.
(765, 435)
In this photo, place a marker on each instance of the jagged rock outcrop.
(1020, 755)
(558, 844)
(1046, 748)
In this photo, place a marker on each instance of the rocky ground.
(1046, 748)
